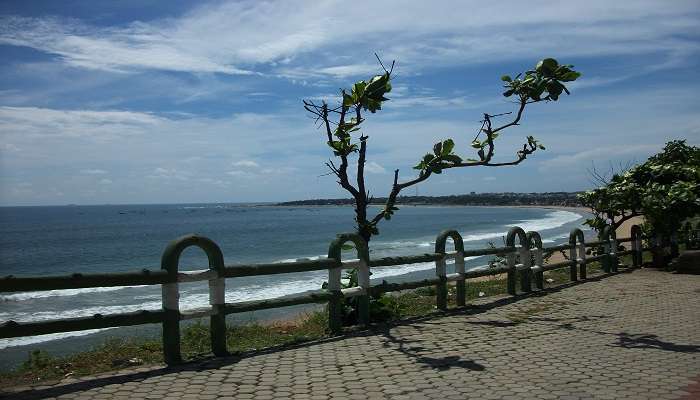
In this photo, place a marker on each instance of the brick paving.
(635, 335)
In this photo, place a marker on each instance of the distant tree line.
(566, 199)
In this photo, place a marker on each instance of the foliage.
(342, 125)
(665, 189)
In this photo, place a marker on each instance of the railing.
(519, 256)
(690, 236)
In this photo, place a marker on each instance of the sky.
(105, 102)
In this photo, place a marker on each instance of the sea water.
(41, 241)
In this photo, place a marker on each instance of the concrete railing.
(523, 252)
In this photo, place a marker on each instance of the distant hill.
(567, 199)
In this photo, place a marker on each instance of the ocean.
(40, 241)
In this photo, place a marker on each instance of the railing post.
(688, 235)
(657, 249)
(675, 251)
(336, 303)
(217, 299)
(441, 286)
(526, 272)
(441, 269)
(513, 255)
(636, 233)
(171, 306)
(462, 281)
(583, 273)
(534, 239)
(615, 261)
(171, 297)
(577, 254)
(605, 238)
(363, 282)
(171, 322)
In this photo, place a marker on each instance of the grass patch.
(114, 354)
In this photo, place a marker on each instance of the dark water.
(61, 240)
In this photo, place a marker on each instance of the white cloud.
(324, 38)
(22, 121)
(374, 168)
(246, 164)
(105, 181)
(432, 102)
(589, 157)
(169, 174)
(9, 147)
(237, 172)
(342, 71)
(93, 171)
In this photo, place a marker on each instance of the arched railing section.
(171, 295)
(441, 269)
(361, 291)
(518, 260)
(534, 244)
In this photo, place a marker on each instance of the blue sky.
(165, 102)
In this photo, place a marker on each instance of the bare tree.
(344, 120)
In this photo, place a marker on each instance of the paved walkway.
(635, 335)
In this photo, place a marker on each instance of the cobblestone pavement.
(635, 335)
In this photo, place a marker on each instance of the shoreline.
(280, 316)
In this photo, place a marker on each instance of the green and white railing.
(523, 252)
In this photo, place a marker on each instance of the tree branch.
(523, 103)
(395, 190)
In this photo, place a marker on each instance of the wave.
(552, 220)
(299, 259)
(61, 292)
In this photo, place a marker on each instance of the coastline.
(290, 316)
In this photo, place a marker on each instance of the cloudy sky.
(169, 102)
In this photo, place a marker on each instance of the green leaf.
(348, 100)
(347, 247)
(447, 146)
(453, 158)
(476, 144)
(570, 76)
(506, 78)
(359, 89)
(546, 66)
(437, 148)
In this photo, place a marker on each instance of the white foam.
(552, 220)
(27, 340)
(291, 260)
(63, 292)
